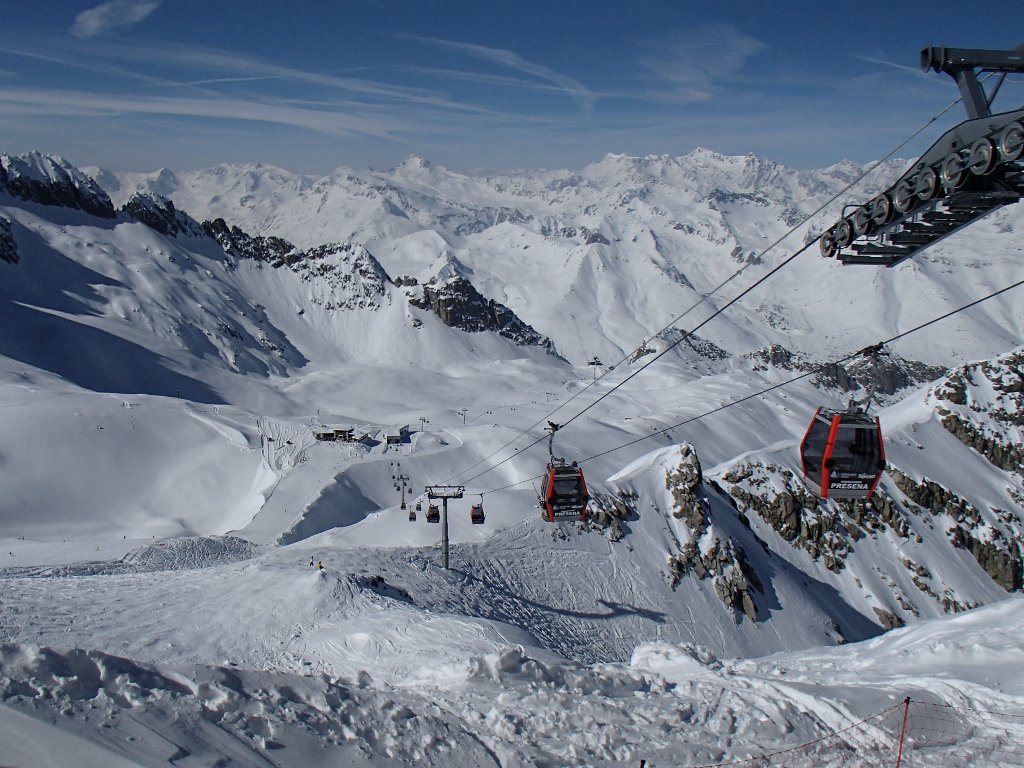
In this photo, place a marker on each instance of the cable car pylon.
(971, 171)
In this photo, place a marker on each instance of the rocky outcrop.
(792, 511)
(585, 234)
(241, 245)
(355, 278)
(998, 558)
(880, 373)
(460, 305)
(997, 550)
(982, 405)
(708, 553)
(348, 275)
(888, 619)
(828, 532)
(8, 245)
(777, 356)
(704, 348)
(159, 214)
(52, 180)
(606, 511)
(487, 217)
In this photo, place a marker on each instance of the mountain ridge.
(256, 323)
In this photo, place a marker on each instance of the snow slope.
(163, 495)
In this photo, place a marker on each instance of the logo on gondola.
(849, 485)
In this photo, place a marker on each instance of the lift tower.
(445, 492)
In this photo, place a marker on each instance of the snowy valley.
(174, 341)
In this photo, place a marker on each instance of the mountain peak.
(414, 163)
(52, 180)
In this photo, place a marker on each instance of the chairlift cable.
(817, 369)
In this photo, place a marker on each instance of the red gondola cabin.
(476, 514)
(433, 514)
(842, 454)
(563, 493)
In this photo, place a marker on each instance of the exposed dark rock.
(159, 214)
(8, 245)
(921, 577)
(990, 430)
(52, 180)
(490, 217)
(587, 235)
(777, 356)
(1000, 559)
(720, 558)
(881, 374)
(460, 305)
(887, 619)
(684, 484)
(354, 279)
(241, 245)
(606, 510)
(826, 531)
(1000, 556)
(706, 349)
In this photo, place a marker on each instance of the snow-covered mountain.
(599, 258)
(166, 359)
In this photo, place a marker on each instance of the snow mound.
(130, 711)
(189, 553)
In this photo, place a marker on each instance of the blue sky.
(484, 85)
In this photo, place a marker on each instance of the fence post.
(903, 731)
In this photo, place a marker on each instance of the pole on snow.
(444, 492)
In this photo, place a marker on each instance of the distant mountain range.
(214, 285)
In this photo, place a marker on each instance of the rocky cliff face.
(881, 373)
(460, 305)
(996, 545)
(52, 180)
(353, 277)
(983, 406)
(8, 246)
(158, 213)
(708, 553)
(239, 244)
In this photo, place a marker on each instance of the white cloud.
(576, 90)
(112, 15)
(699, 59)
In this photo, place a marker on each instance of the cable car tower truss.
(973, 170)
